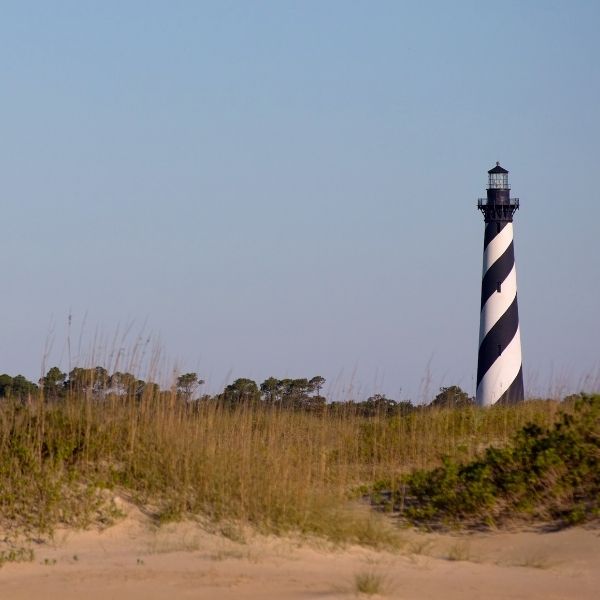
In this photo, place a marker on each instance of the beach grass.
(278, 470)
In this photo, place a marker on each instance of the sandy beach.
(137, 560)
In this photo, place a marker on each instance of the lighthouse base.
(515, 393)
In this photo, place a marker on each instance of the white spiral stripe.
(497, 304)
(496, 248)
(501, 374)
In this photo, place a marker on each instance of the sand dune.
(136, 560)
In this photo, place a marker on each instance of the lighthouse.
(499, 365)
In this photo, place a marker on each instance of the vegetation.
(277, 456)
(452, 397)
(546, 473)
(296, 394)
(369, 583)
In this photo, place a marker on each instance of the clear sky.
(289, 188)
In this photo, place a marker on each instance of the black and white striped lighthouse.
(499, 367)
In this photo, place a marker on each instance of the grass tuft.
(18, 554)
(459, 552)
(369, 583)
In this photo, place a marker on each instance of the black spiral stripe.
(500, 335)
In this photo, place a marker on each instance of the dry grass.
(277, 470)
(369, 583)
(459, 552)
(532, 561)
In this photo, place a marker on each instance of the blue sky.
(289, 188)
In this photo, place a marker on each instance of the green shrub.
(545, 473)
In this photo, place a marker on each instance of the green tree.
(5, 385)
(452, 397)
(22, 388)
(314, 404)
(405, 407)
(126, 384)
(294, 393)
(53, 383)
(187, 385)
(269, 389)
(316, 383)
(241, 391)
(378, 405)
(94, 381)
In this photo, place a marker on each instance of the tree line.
(294, 394)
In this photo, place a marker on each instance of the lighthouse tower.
(499, 368)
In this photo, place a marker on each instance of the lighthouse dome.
(497, 169)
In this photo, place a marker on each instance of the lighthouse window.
(498, 286)
(499, 349)
(498, 227)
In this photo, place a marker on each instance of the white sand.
(135, 561)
